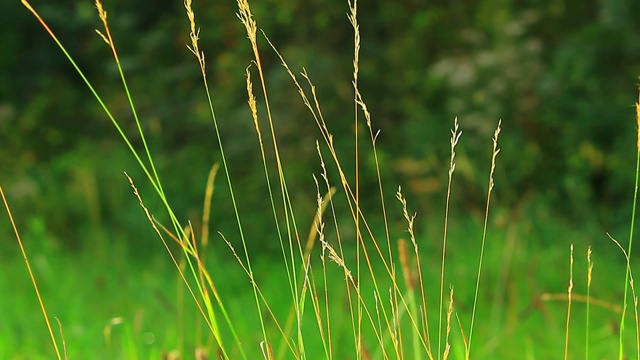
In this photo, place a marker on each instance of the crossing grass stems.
(389, 319)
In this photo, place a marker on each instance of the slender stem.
(633, 218)
(589, 277)
(33, 279)
(495, 153)
(455, 136)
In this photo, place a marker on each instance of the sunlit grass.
(340, 293)
(627, 277)
(34, 282)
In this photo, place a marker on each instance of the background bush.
(561, 74)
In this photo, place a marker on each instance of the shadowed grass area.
(347, 283)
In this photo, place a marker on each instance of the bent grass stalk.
(633, 294)
(562, 297)
(64, 342)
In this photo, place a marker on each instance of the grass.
(349, 286)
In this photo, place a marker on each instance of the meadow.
(338, 265)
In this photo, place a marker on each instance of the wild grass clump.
(362, 294)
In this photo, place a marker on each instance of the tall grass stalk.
(43, 308)
(588, 310)
(455, 137)
(291, 247)
(494, 155)
(353, 7)
(447, 344)
(420, 339)
(632, 226)
(569, 303)
(195, 50)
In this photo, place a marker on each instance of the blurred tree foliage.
(561, 74)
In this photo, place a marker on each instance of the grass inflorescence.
(352, 290)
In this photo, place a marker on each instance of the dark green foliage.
(562, 77)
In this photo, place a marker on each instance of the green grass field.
(342, 281)
(87, 292)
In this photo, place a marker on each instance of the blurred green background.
(562, 76)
